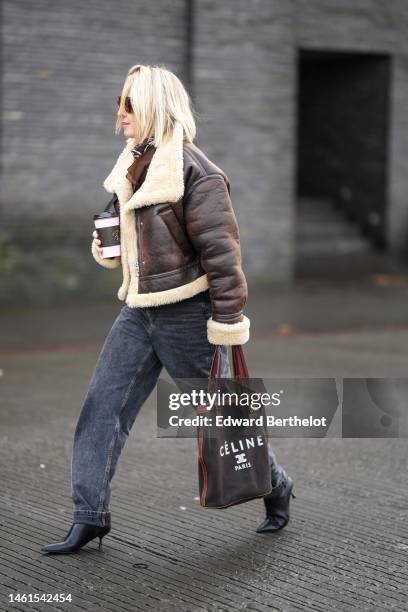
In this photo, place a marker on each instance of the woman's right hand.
(97, 242)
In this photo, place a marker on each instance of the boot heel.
(79, 535)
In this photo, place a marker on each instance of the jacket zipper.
(137, 245)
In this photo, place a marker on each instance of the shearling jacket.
(179, 235)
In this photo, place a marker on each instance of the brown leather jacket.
(179, 235)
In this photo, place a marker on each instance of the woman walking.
(183, 287)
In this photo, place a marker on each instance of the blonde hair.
(158, 100)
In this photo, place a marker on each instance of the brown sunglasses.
(128, 104)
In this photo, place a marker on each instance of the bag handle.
(240, 367)
(215, 371)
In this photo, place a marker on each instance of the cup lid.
(105, 215)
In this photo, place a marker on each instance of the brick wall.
(63, 66)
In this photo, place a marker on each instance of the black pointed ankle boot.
(79, 535)
(277, 510)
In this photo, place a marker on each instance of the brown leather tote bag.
(233, 461)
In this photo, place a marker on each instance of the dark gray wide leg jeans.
(140, 342)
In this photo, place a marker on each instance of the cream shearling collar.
(164, 180)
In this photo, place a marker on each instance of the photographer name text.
(259, 421)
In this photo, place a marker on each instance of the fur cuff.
(106, 263)
(228, 333)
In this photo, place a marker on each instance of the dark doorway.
(342, 129)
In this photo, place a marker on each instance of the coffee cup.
(108, 227)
